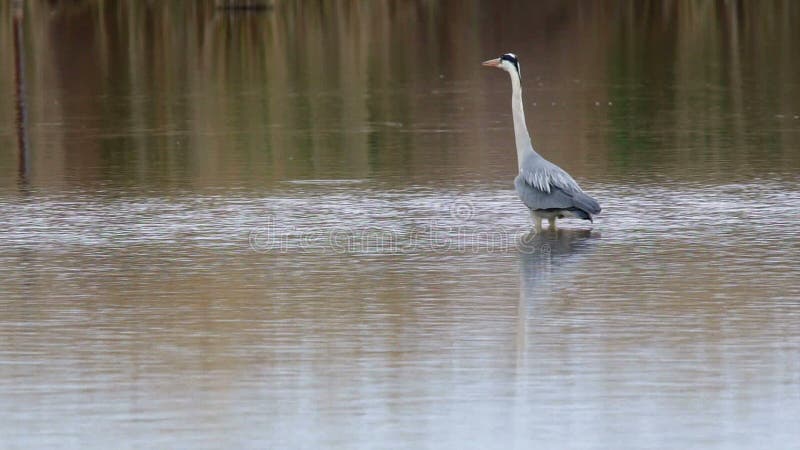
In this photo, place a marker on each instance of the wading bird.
(546, 189)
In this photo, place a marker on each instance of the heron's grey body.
(550, 193)
(546, 189)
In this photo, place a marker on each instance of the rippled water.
(337, 273)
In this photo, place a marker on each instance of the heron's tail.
(586, 203)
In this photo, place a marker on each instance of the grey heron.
(546, 189)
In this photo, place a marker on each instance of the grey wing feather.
(543, 185)
(586, 203)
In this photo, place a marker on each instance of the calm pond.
(295, 226)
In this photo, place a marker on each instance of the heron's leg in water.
(537, 221)
(552, 222)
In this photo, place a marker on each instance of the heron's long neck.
(523, 139)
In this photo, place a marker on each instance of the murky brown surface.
(296, 228)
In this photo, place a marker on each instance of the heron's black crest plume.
(512, 58)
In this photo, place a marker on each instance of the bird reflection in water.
(547, 258)
(553, 246)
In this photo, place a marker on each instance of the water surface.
(296, 228)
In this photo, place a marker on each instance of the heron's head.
(507, 62)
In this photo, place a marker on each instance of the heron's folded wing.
(546, 175)
(549, 187)
(535, 198)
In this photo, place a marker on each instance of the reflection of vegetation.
(336, 88)
(289, 90)
(641, 78)
(691, 79)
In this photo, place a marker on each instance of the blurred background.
(173, 175)
(394, 89)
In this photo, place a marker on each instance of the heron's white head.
(507, 62)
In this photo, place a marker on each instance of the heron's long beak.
(492, 62)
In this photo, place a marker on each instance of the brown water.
(296, 227)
